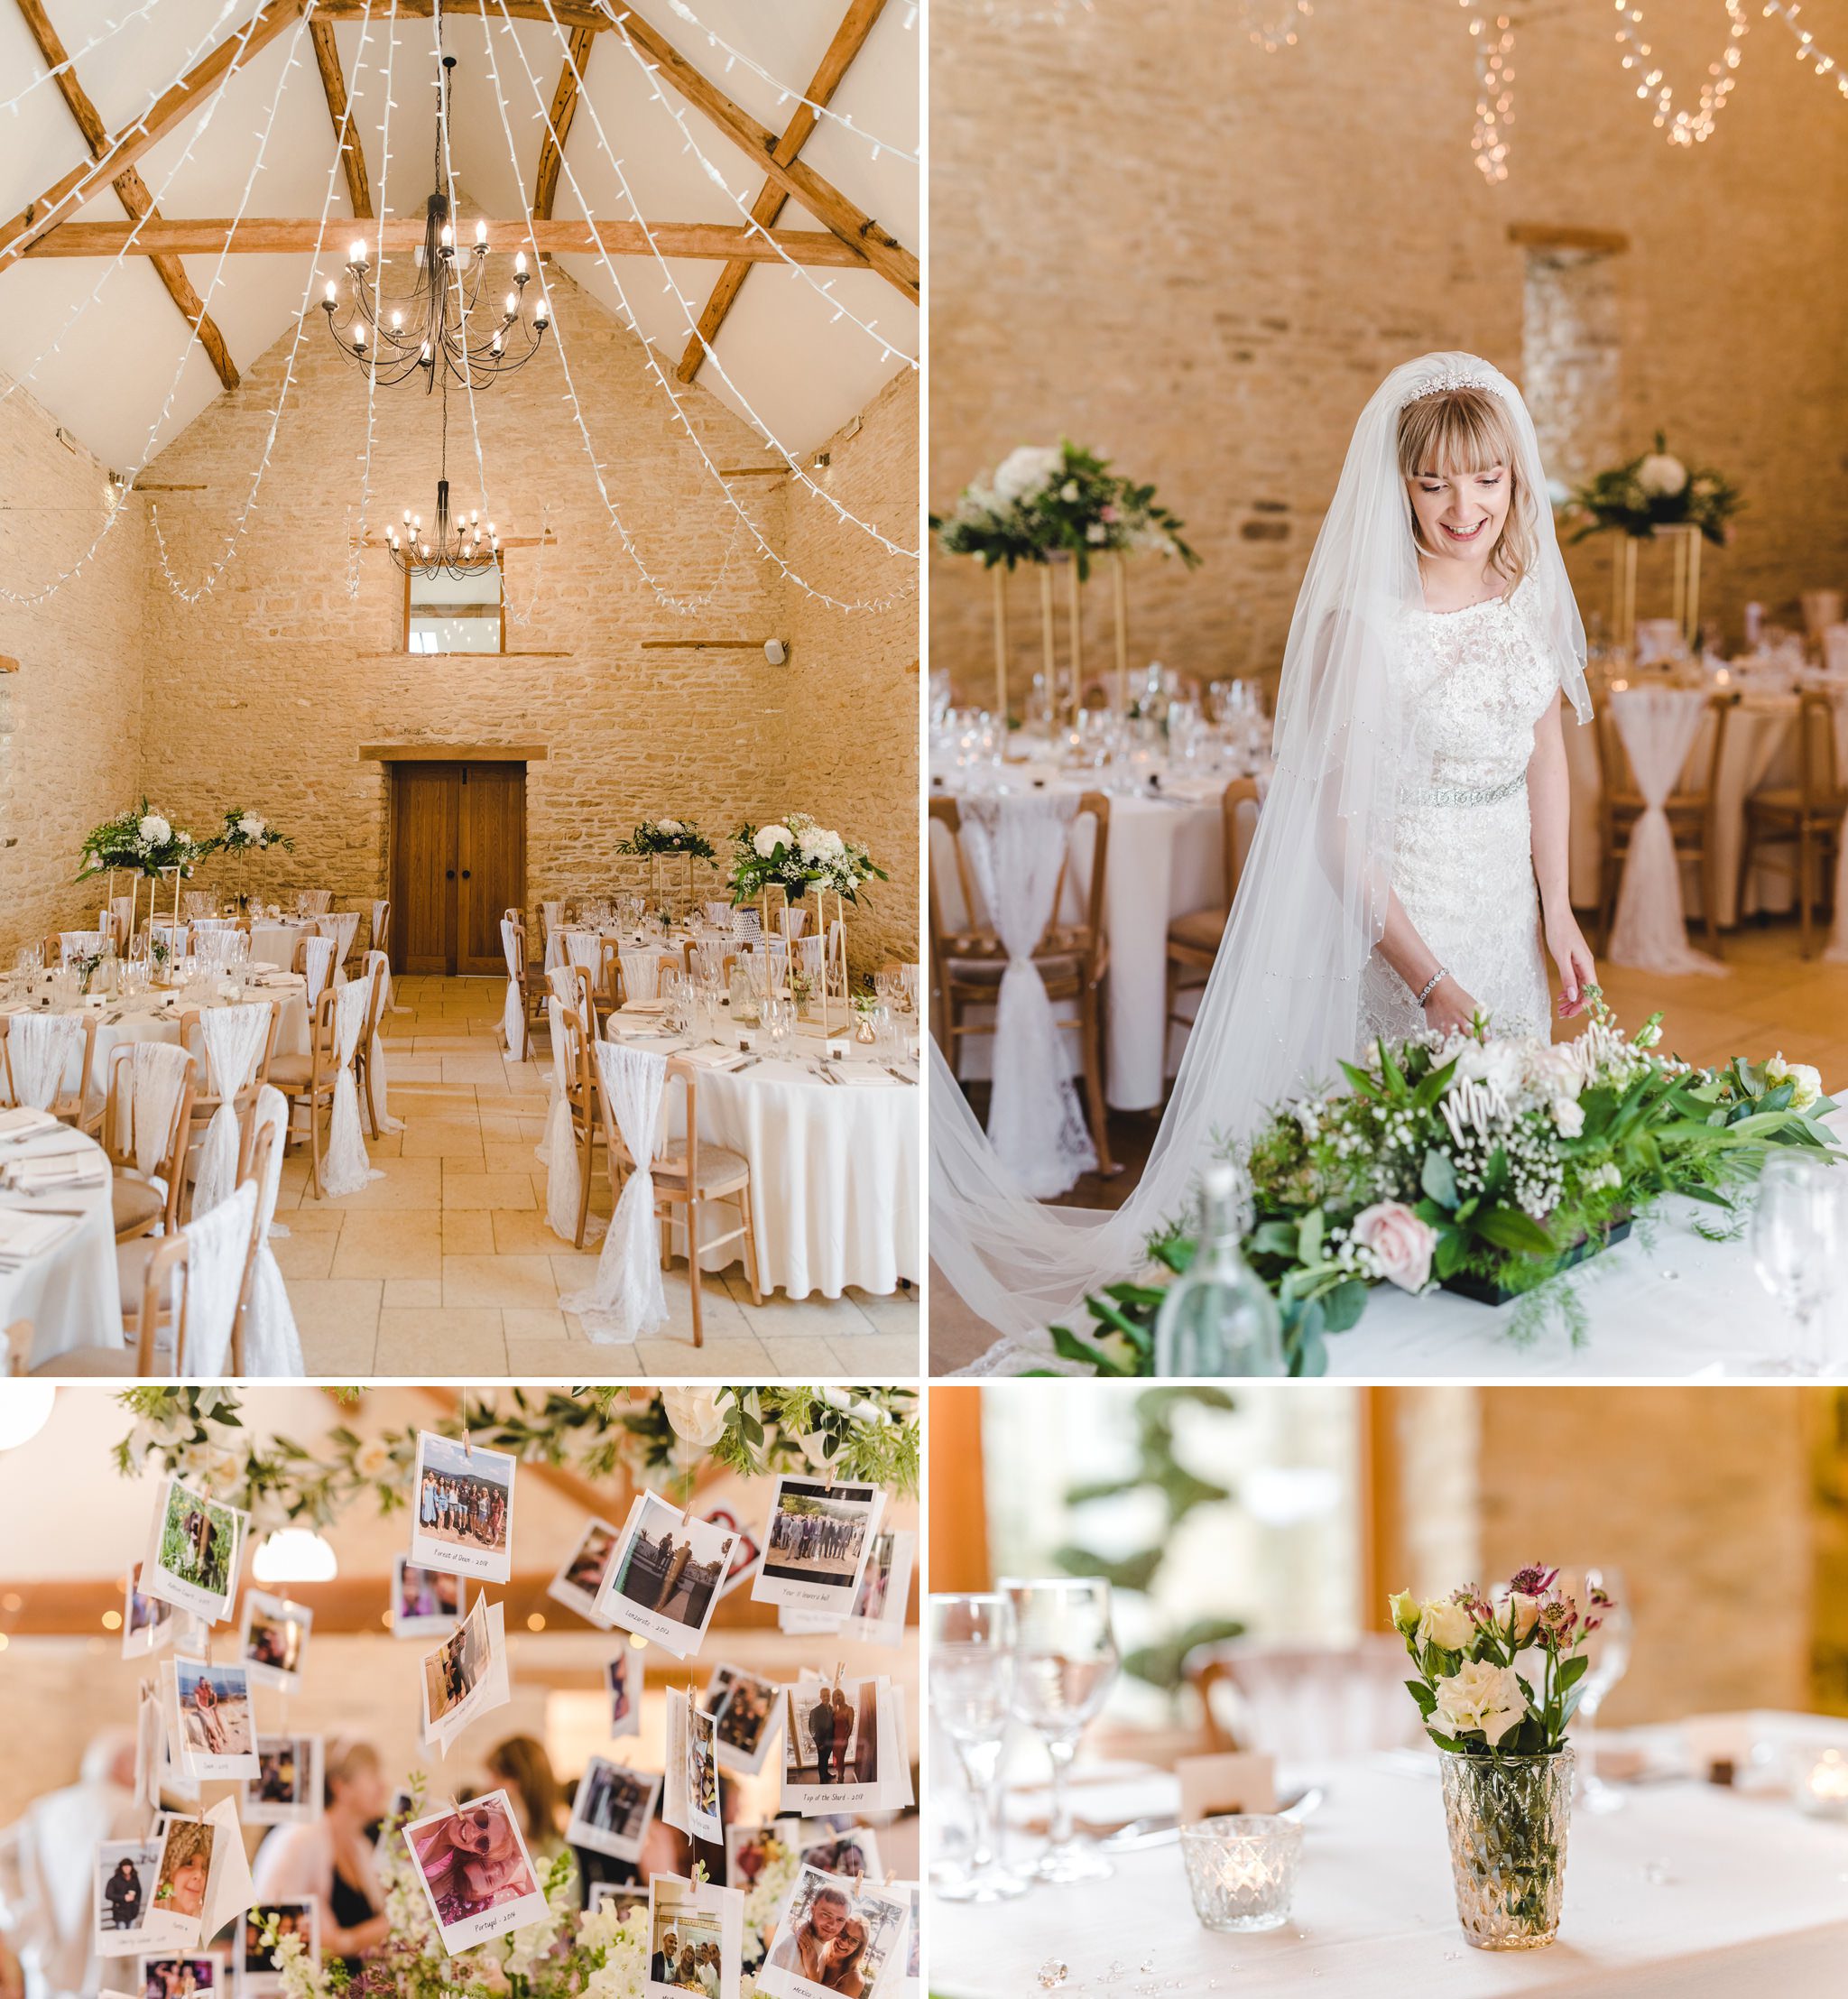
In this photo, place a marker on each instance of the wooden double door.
(458, 862)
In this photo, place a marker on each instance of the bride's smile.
(1460, 516)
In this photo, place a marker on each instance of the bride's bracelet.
(1432, 983)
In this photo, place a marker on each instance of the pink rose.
(1400, 1243)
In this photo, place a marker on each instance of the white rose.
(1446, 1624)
(373, 1459)
(1482, 1697)
(1527, 1611)
(154, 830)
(769, 838)
(694, 1415)
(811, 843)
(1497, 1065)
(1661, 476)
(251, 826)
(667, 825)
(1097, 535)
(1027, 471)
(1568, 1115)
(1068, 492)
(1808, 1081)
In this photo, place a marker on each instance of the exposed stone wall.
(1200, 259)
(849, 711)
(71, 715)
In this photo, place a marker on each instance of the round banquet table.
(1691, 1891)
(70, 1293)
(1165, 860)
(836, 1173)
(273, 942)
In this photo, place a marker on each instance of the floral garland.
(667, 837)
(248, 833)
(1655, 490)
(661, 1436)
(141, 841)
(1047, 500)
(1491, 1165)
(795, 854)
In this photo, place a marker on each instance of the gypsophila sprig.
(667, 837)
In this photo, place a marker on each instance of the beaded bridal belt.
(1462, 794)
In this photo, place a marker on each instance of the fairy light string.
(1494, 91)
(1279, 30)
(74, 56)
(1683, 127)
(357, 554)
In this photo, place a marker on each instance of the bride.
(1411, 859)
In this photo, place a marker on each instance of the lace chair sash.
(378, 976)
(583, 948)
(348, 1167)
(218, 1244)
(1016, 849)
(626, 1300)
(343, 926)
(641, 976)
(271, 1343)
(315, 902)
(157, 1072)
(719, 914)
(564, 1183)
(40, 1048)
(235, 1037)
(513, 1009)
(318, 962)
(1649, 931)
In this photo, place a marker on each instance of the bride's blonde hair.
(1468, 430)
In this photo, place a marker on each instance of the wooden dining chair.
(1073, 958)
(69, 1107)
(145, 1270)
(533, 989)
(578, 1068)
(205, 1102)
(1803, 820)
(1693, 817)
(308, 1081)
(138, 1205)
(1194, 940)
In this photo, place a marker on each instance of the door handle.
(452, 874)
(465, 873)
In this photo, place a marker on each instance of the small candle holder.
(1821, 1786)
(1241, 1869)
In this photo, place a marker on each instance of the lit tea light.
(1242, 1870)
(1822, 1791)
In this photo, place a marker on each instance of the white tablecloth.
(274, 943)
(1166, 861)
(1689, 1891)
(836, 1173)
(70, 1293)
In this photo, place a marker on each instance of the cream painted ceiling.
(107, 373)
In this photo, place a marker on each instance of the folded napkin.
(24, 1234)
(18, 1123)
(40, 1175)
(712, 1056)
(863, 1075)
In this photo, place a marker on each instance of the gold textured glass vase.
(1508, 1818)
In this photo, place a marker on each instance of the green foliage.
(1618, 499)
(667, 837)
(844, 869)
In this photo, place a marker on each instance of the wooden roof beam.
(130, 188)
(327, 56)
(551, 150)
(848, 39)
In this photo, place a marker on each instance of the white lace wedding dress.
(1476, 681)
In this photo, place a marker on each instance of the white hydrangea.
(154, 830)
(816, 843)
(769, 838)
(251, 826)
(1027, 471)
(1661, 476)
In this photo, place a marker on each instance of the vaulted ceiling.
(105, 342)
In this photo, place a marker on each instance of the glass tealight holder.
(1241, 1869)
(1820, 1783)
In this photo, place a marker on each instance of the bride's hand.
(1449, 1009)
(1566, 947)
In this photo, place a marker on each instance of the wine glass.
(1796, 1249)
(1608, 1651)
(972, 1684)
(1065, 1663)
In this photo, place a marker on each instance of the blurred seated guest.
(330, 1861)
(52, 1850)
(521, 1765)
(12, 1977)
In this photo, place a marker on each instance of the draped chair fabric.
(234, 1038)
(218, 1246)
(315, 902)
(271, 1343)
(40, 1048)
(378, 978)
(626, 1300)
(343, 926)
(76, 944)
(318, 962)
(156, 1074)
(513, 1010)
(564, 1184)
(348, 1167)
(1649, 932)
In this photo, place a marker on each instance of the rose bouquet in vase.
(1498, 1682)
(661, 841)
(244, 834)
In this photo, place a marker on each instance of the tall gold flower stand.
(1684, 540)
(1065, 692)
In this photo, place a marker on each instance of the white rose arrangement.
(667, 836)
(798, 854)
(250, 833)
(1503, 1673)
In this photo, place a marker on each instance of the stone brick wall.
(1148, 235)
(850, 711)
(71, 715)
(260, 691)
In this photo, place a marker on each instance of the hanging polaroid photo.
(664, 1581)
(695, 1939)
(838, 1848)
(747, 1553)
(287, 1788)
(260, 1965)
(426, 1603)
(878, 1616)
(579, 1581)
(181, 1876)
(147, 1622)
(623, 1896)
(745, 1710)
(912, 1975)
(838, 1746)
(194, 1545)
(195, 1974)
(476, 1872)
(159, 1779)
(612, 1809)
(808, 1624)
(466, 1675)
(749, 1850)
(689, 1793)
(272, 1641)
(621, 1678)
(211, 1708)
(126, 1871)
(818, 1541)
(463, 1502)
(833, 1934)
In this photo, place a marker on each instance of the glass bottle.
(1219, 1317)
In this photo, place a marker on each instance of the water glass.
(1064, 1665)
(971, 1665)
(1608, 1651)
(1797, 1238)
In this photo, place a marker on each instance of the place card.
(1227, 1785)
